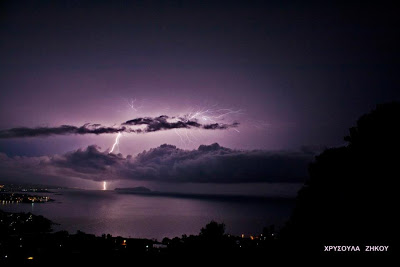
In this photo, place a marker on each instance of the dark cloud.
(219, 126)
(152, 125)
(60, 130)
(216, 164)
(161, 123)
(167, 163)
(90, 160)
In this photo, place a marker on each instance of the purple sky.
(295, 74)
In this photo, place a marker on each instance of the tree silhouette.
(349, 196)
(213, 230)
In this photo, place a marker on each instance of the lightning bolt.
(116, 143)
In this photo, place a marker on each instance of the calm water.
(99, 212)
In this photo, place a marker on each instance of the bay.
(129, 215)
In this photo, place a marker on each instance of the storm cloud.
(151, 125)
(167, 163)
(60, 130)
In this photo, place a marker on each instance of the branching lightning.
(204, 115)
(212, 115)
(132, 104)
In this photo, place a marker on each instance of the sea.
(154, 217)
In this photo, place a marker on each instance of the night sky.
(293, 76)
